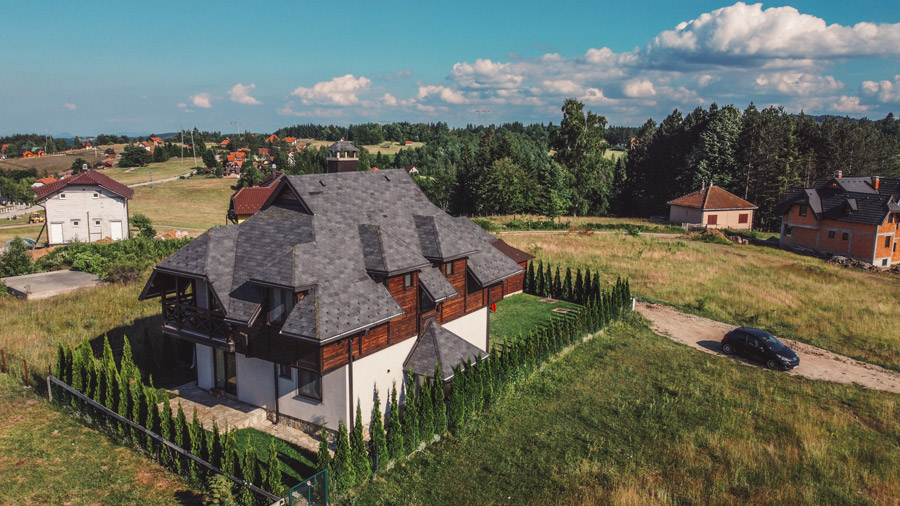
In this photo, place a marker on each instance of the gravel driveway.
(815, 363)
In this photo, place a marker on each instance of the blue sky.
(105, 67)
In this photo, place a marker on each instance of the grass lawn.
(173, 167)
(11, 232)
(846, 311)
(295, 463)
(49, 457)
(52, 164)
(394, 148)
(518, 314)
(189, 203)
(631, 417)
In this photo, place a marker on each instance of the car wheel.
(727, 349)
(772, 364)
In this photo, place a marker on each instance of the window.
(884, 263)
(887, 242)
(743, 218)
(407, 280)
(802, 211)
(74, 223)
(284, 371)
(96, 195)
(845, 236)
(309, 384)
(895, 246)
(831, 234)
(62, 196)
(97, 222)
(712, 220)
(448, 268)
(788, 229)
(280, 304)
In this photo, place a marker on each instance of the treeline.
(18, 143)
(757, 155)
(434, 407)
(120, 388)
(15, 184)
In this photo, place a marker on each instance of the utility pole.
(193, 147)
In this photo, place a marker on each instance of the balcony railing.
(187, 317)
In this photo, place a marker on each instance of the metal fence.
(15, 366)
(312, 491)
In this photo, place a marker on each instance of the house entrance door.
(226, 372)
(115, 230)
(56, 233)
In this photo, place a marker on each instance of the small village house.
(85, 207)
(856, 217)
(340, 285)
(712, 207)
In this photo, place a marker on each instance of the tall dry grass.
(850, 312)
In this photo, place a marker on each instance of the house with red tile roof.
(225, 142)
(248, 201)
(86, 207)
(712, 207)
(156, 141)
(43, 181)
(290, 140)
(272, 138)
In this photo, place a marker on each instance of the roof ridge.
(706, 196)
(437, 349)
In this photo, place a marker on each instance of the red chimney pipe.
(877, 181)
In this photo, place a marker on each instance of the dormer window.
(280, 302)
(448, 269)
(802, 211)
(407, 280)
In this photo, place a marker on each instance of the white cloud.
(202, 100)
(485, 74)
(182, 105)
(241, 94)
(847, 104)
(342, 90)
(593, 96)
(886, 92)
(562, 87)
(638, 88)
(799, 83)
(70, 106)
(446, 94)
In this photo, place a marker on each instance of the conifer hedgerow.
(578, 289)
(323, 456)
(195, 436)
(528, 287)
(539, 283)
(272, 479)
(557, 284)
(395, 430)
(358, 448)
(344, 473)
(438, 404)
(548, 281)
(567, 286)
(410, 417)
(181, 435)
(229, 455)
(378, 452)
(426, 412)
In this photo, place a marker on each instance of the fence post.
(49, 390)
(27, 381)
(3, 355)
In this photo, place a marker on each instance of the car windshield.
(771, 342)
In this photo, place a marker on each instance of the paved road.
(20, 212)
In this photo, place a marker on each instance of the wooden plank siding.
(515, 283)
(475, 297)
(403, 327)
(454, 307)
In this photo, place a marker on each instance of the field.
(195, 203)
(52, 164)
(49, 457)
(173, 167)
(394, 148)
(849, 312)
(632, 418)
(28, 231)
(518, 314)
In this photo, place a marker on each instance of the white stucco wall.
(205, 367)
(255, 381)
(79, 205)
(379, 370)
(471, 327)
(332, 408)
(680, 214)
(730, 219)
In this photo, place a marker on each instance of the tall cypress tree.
(103, 373)
(540, 285)
(342, 465)
(181, 435)
(567, 286)
(124, 404)
(272, 476)
(395, 430)
(595, 286)
(216, 445)
(587, 292)
(250, 464)
(151, 403)
(529, 279)
(229, 455)
(557, 284)
(378, 452)
(410, 420)
(358, 448)
(578, 289)
(548, 281)
(477, 386)
(438, 405)
(457, 396)
(165, 431)
(426, 412)
(197, 437)
(323, 457)
(127, 368)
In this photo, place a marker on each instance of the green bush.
(118, 261)
(486, 224)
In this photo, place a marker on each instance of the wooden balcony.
(197, 325)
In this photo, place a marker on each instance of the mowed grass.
(393, 149)
(295, 463)
(49, 457)
(172, 167)
(198, 203)
(630, 417)
(52, 164)
(29, 232)
(846, 311)
(519, 314)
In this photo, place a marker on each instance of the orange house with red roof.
(712, 207)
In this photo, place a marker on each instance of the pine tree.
(323, 457)
(410, 420)
(557, 284)
(181, 436)
(358, 448)
(378, 452)
(196, 435)
(548, 281)
(587, 292)
(215, 446)
(540, 287)
(567, 286)
(578, 289)
(165, 431)
(529, 279)
(438, 405)
(344, 473)
(426, 412)
(394, 429)
(127, 368)
(229, 455)
(272, 479)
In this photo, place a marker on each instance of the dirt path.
(815, 363)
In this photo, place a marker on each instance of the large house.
(249, 200)
(85, 207)
(712, 207)
(855, 217)
(338, 286)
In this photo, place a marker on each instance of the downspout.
(275, 375)
(350, 372)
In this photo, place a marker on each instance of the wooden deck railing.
(196, 319)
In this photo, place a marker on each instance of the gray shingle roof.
(343, 145)
(849, 199)
(362, 224)
(438, 345)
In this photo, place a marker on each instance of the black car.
(760, 345)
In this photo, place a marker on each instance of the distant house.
(712, 207)
(340, 286)
(87, 144)
(33, 153)
(411, 169)
(290, 140)
(263, 152)
(856, 217)
(272, 138)
(86, 207)
(157, 141)
(43, 181)
(408, 143)
(248, 201)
